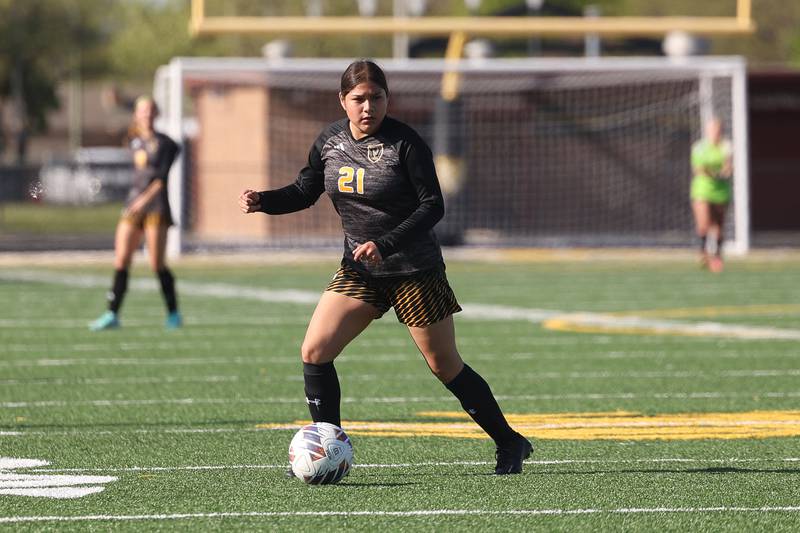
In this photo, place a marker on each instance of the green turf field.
(658, 397)
(30, 218)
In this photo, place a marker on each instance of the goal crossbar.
(740, 24)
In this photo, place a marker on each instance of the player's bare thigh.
(127, 239)
(156, 238)
(717, 215)
(337, 320)
(437, 343)
(702, 216)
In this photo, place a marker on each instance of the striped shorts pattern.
(419, 299)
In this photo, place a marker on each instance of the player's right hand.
(249, 201)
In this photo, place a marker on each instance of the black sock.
(118, 289)
(168, 289)
(703, 244)
(719, 247)
(322, 392)
(477, 399)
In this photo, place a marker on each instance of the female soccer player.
(380, 176)
(711, 190)
(146, 214)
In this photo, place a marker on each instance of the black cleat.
(289, 472)
(510, 456)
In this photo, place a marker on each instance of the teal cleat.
(107, 320)
(174, 320)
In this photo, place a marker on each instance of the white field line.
(134, 361)
(533, 376)
(474, 311)
(542, 462)
(159, 346)
(401, 514)
(371, 358)
(219, 290)
(257, 341)
(400, 400)
(130, 380)
(12, 480)
(59, 493)
(465, 338)
(45, 485)
(12, 463)
(71, 323)
(190, 361)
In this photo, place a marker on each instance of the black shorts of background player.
(146, 215)
(381, 179)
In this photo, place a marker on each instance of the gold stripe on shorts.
(350, 283)
(419, 299)
(424, 299)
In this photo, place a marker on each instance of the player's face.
(144, 115)
(714, 131)
(365, 106)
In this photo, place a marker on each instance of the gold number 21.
(346, 178)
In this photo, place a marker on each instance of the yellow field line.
(559, 324)
(619, 425)
(580, 323)
(714, 311)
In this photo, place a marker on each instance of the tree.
(775, 42)
(41, 43)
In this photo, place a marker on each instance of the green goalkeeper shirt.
(710, 157)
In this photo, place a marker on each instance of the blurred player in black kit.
(146, 214)
(381, 179)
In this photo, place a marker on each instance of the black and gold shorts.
(419, 299)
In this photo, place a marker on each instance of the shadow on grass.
(375, 485)
(531, 470)
(710, 470)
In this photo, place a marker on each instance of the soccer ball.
(320, 453)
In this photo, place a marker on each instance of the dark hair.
(363, 71)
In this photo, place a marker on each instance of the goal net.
(531, 152)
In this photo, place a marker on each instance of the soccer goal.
(530, 152)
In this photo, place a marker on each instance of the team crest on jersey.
(140, 158)
(375, 152)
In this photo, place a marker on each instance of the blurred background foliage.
(46, 42)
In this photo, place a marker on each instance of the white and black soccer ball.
(320, 453)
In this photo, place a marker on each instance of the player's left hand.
(249, 201)
(367, 253)
(135, 209)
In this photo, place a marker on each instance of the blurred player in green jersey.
(711, 190)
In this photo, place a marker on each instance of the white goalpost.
(549, 152)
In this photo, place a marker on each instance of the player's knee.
(122, 263)
(439, 373)
(314, 353)
(444, 368)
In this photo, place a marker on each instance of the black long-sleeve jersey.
(152, 159)
(383, 186)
